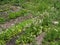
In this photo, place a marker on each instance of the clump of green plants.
(2, 20)
(11, 32)
(17, 14)
(30, 33)
(52, 36)
(2, 42)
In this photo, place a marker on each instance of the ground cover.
(45, 28)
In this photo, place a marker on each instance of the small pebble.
(55, 22)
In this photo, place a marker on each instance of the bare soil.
(40, 38)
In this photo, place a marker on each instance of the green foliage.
(2, 20)
(52, 36)
(11, 32)
(2, 42)
(17, 14)
(31, 32)
(42, 6)
(51, 12)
